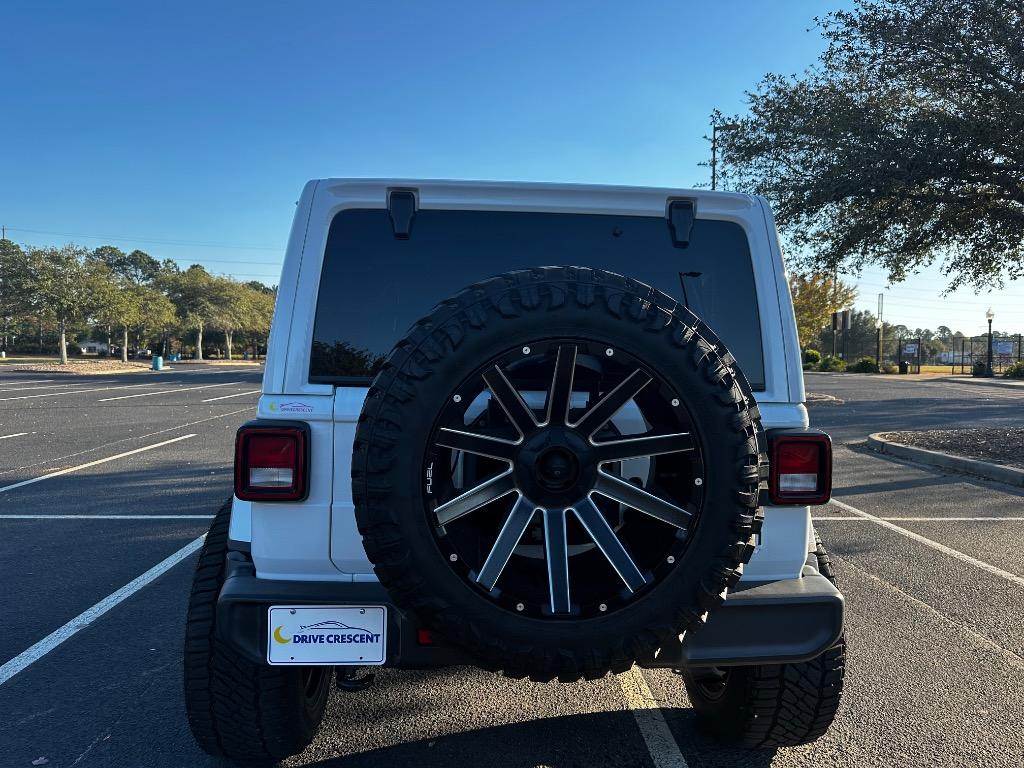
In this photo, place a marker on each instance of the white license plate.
(318, 634)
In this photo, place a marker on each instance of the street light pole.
(715, 128)
(989, 315)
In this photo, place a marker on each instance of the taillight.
(801, 468)
(271, 462)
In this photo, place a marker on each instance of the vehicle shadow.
(567, 741)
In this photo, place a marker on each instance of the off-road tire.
(460, 334)
(249, 713)
(775, 705)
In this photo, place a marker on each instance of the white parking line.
(125, 440)
(77, 391)
(167, 391)
(661, 744)
(92, 463)
(923, 519)
(228, 397)
(954, 553)
(1014, 659)
(16, 434)
(23, 381)
(65, 385)
(105, 517)
(81, 621)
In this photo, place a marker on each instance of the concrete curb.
(997, 472)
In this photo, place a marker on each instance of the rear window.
(373, 287)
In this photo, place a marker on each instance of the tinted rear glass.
(374, 287)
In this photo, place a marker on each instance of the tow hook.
(349, 679)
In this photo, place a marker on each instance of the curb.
(997, 472)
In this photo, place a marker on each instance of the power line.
(152, 240)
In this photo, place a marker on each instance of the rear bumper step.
(770, 622)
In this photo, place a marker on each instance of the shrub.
(864, 365)
(830, 363)
(812, 356)
(890, 368)
(810, 367)
(1015, 371)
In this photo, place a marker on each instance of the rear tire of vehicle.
(249, 713)
(773, 705)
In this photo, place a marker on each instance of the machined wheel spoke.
(637, 498)
(560, 395)
(606, 540)
(482, 445)
(556, 550)
(511, 532)
(508, 398)
(475, 498)
(611, 403)
(639, 447)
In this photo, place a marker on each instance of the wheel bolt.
(453, 557)
(698, 481)
(457, 398)
(526, 350)
(520, 606)
(602, 607)
(675, 402)
(609, 351)
(671, 559)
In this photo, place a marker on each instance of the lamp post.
(715, 128)
(989, 315)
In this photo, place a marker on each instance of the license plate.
(318, 634)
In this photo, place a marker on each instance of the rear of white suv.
(527, 474)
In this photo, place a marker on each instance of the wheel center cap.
(557, 468)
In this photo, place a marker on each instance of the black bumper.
(770, 622)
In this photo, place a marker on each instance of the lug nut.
(520, 606)
(457, 398)
(453, 557)
(698, 481)
(602, 607)
(671, 559)
(609, 351)
(526, 350)
(675, 402)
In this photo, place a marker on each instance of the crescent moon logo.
(279, 637)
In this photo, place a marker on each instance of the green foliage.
(830, 363)
(894, 149)
(815, 297)
(890, 368)
(1015, 371)
(812, 356)
(864, 365)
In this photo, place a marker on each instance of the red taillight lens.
(801, 469)
(270, 463)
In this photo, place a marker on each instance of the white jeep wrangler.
(554, 472)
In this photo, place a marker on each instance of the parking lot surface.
(108, 483)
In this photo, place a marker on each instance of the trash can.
(904, 367)
(158, 363)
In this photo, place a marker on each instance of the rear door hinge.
(402, 208)
(680, 221)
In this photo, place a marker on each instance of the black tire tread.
(236, 709)
(783, 705)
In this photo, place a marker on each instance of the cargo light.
(801, 468)
(271, 462)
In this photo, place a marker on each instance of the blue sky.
(188, 129)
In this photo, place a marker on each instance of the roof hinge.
(680, 221)
(402, 208)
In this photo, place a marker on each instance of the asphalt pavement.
(106, 479)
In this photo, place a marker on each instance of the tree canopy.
(815, 297)
(903, 146)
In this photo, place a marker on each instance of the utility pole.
(880, 325)
(715, 128)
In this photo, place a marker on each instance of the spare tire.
(558, 470)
